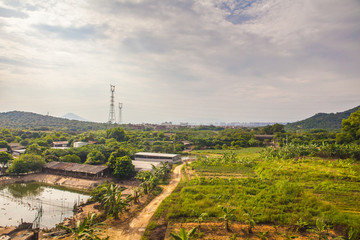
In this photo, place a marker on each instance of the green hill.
(28, 120)
(328, 121)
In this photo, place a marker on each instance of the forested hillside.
(328, 121)
(17, 119)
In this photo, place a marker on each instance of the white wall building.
(79, 144)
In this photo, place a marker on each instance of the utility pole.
(120, 112)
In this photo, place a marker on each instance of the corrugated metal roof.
(156, 154)
(75, 167)
(60, 142)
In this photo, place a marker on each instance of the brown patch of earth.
(133, 222)
(65, 181)
(223, 175)
(133, 227)
(217, 231)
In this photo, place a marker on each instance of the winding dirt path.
(138, 224)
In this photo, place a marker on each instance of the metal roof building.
(157, 157)
(75, 169)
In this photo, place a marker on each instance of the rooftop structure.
(75, 169)
(79, 144)
(157, 157)
(16, 146)
(59, 144)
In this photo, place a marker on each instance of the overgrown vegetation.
(292, 192)
(26, 163)
(313, 150)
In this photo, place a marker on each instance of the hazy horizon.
(180, 61)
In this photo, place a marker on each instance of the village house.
(75, 169)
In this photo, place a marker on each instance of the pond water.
(27, 201)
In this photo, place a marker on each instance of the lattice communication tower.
(112, 118)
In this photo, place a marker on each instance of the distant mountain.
(73, 116)
(328, 121)
(17, 119)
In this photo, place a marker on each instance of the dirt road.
(138, 224)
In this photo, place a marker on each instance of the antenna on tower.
(112, 108)
(120, 113)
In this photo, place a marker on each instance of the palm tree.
(227, 217)
(183, 235)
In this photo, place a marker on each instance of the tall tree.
(95, 157)
(120, 152)
(350, 131)
(5, 158)
(116, 133)
(26, 163)
(124, 168)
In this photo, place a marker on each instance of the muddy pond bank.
(69, 182)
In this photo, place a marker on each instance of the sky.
(196, 61)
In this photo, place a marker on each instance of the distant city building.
(184, 124)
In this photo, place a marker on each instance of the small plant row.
(320, 230)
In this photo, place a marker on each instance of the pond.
(27, 201)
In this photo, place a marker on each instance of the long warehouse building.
(157, 157)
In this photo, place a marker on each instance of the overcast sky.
(183, 61)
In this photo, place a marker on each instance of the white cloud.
(240, 60)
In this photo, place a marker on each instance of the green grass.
(333, 181)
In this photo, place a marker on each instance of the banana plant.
(201, 218)
(353, 234)
(227, 217)
(250, 219)
(183, 235)
(320, 229)
(136, 195)
(112, 200)
(85, 229)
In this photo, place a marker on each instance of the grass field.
(298, 196)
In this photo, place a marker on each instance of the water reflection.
(20, 190)
(24, 201)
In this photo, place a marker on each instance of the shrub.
(70, 158)
(26, 163)
(95, 157)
